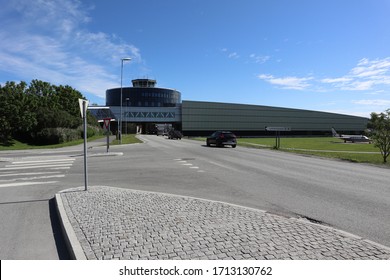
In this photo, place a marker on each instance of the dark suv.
(222, 138)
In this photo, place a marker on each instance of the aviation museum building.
(144, 106)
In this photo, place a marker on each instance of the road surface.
(347, 196)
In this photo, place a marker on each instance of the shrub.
(91, 131)
(49, 136)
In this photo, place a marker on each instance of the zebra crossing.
(34, 171)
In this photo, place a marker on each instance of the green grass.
(127, 139)
(311, 143)
(320, 146)
(328, 147)
(17, 145)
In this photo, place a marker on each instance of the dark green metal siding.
(210, 116)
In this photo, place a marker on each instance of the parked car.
(222, 138)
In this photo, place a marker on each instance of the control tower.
(144, 83)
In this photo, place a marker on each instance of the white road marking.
(35, 166)
(34, 178)
(59, 168)
(190, 165)
(12, 175)
(40, 161)
(28, 173)
(26, 184)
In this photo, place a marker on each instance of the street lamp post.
(127, 108)
(120, 116)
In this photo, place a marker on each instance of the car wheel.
(233, 146)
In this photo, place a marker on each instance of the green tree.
(40, 112)
(16, 113)
(379, 125)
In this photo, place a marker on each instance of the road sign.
(106, 123)
(82, 109)
(277, 128)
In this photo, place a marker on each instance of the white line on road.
(34, 178)
(38, 163)
(44, 160)
(26, 184)
(28, 173)
(35, 166)
(59, 168)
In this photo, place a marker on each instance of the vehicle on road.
(162, 129)
(174, 134)
(222, 138)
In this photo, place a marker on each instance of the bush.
(91, 131)
(49, 136)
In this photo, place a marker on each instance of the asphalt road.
(348, 196)
(29, 179)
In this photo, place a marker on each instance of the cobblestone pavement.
(112, 223)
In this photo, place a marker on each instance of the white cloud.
(368, 75)
(233, 55)
(47, 40)
(287, 82)
(259, 58)
(336, 80)
(365, 76)
(358, 85)
(107, 46)
(372, 102)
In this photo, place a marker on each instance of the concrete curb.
(75, 250)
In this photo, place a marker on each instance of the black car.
(222, 138)
(175, 134)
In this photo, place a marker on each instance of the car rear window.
(229, 135)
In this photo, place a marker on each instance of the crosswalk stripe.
(28, 173)
(34, 178)
(35, 166)
(26, 184)
(17, 173)
(46, 160)
(59, 168)
(38, 163)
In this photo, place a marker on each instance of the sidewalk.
(121, 224)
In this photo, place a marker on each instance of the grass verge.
(17, 145)
(127, 139)
(327, 147)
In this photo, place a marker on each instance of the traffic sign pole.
(85, 145)
(106, 123)
(83, 110)
(277, 130)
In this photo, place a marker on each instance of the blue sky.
(331, 55)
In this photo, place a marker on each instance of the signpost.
(83, 109)
(277, 130)
(106, 125)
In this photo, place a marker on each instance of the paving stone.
(112, 223)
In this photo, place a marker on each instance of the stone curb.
(72, 243)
